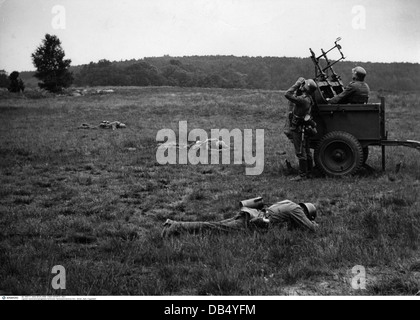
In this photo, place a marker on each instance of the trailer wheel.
(339, 153)
(365, 154)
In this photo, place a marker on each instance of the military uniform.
(280, 213)
(290, 213)
(357, 92)
(239, 222)
(302, 107)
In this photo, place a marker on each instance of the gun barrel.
(329, 66)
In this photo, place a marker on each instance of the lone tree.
(52, 69)
(16, 83)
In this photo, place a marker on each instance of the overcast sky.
(90, 30)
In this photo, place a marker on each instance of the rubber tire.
(365, 154)
(339, 153)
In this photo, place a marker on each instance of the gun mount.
(328, 81)
(345, 131)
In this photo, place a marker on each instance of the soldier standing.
(300, 121)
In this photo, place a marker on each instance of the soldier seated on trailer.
(357, 92)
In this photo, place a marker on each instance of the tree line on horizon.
(271, 73)
(216, 71)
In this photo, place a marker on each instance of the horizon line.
(221, 55)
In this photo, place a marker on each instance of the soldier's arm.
(348, 91)
(290, 93)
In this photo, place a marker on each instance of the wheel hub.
(339, 155)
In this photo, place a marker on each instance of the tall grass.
(83, 200)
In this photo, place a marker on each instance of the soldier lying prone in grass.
(295, 216)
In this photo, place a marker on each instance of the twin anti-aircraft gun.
(345, 131)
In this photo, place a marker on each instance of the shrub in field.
(16, 84)
(4, 80)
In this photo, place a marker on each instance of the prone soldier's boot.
(169, 228)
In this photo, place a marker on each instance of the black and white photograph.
(221, 151)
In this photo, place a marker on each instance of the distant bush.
(4, 80)
(15, 83)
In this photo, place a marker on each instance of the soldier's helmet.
(360, 72)
(309, 209)
(310, 85)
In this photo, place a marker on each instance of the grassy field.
(94, 201)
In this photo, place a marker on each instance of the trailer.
(345, 131)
